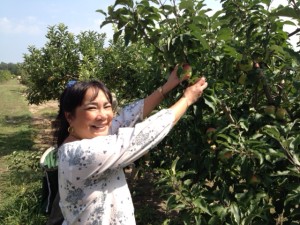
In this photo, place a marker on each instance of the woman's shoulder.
(75, 143)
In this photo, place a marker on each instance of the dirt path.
(43, 123)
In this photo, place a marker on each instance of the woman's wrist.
(167, 87)
(188, 103)
(161, 92)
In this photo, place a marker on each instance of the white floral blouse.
(92, 185)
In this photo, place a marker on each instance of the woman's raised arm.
(159, 94)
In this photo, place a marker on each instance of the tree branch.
(227, 112)
(294, 32)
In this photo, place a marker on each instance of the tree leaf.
(273, 132)
(215, 220)
(211, 104)
(224, 34)
(101, 11)
(117, 35)
(200, 203)
(234, 209)
(124, 2)
(173, 167)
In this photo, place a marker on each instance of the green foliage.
(64, 57)
(247, 171)
(11, 67)
(5, 75)
(21, 205)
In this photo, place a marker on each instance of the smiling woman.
(94, 147)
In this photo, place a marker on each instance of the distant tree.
(14, 68)
(5, 75)
(83, 57)
(64, 57)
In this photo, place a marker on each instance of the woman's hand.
(194, 92)
(190, 96)
(174, 80)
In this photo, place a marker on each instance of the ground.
(42, 121)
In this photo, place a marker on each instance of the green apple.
(242, 79)
(270, 110)
(209, 133)
(281, 113)
(246, 65)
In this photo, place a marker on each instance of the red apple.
(254, 179)
(187, 70)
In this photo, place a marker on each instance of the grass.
(20, 177)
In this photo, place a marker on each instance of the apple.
(270, 110)
(211, 130)
(256, 65)
(186, 70)
(224, 156)
(281, 113)
(254, 179)
(209, 133)
(242, 79)
(246, 65)
(227, 155)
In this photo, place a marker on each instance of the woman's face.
(93, 118)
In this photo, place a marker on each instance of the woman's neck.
(71, 138)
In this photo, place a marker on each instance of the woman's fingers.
(200, 86)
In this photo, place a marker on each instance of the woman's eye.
(107, 106)
(91, 108)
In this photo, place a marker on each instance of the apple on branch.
(184, 71)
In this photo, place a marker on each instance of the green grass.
(20, 177)
(15, 131)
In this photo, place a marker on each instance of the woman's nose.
(101, 114)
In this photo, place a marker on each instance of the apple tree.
(63, 58)
(234, 157)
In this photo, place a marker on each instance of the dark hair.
(70, 99)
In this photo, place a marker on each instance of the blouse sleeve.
(92, 158)
(128, 116)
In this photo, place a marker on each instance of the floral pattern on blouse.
(92, 185)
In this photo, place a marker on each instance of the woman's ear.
(68, 116)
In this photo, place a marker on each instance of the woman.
(95, 146)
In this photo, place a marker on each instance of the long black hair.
(72, 98)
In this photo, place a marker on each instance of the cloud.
(28, 26)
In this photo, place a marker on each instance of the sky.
(25, 22)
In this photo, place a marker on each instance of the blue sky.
(25, 22)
